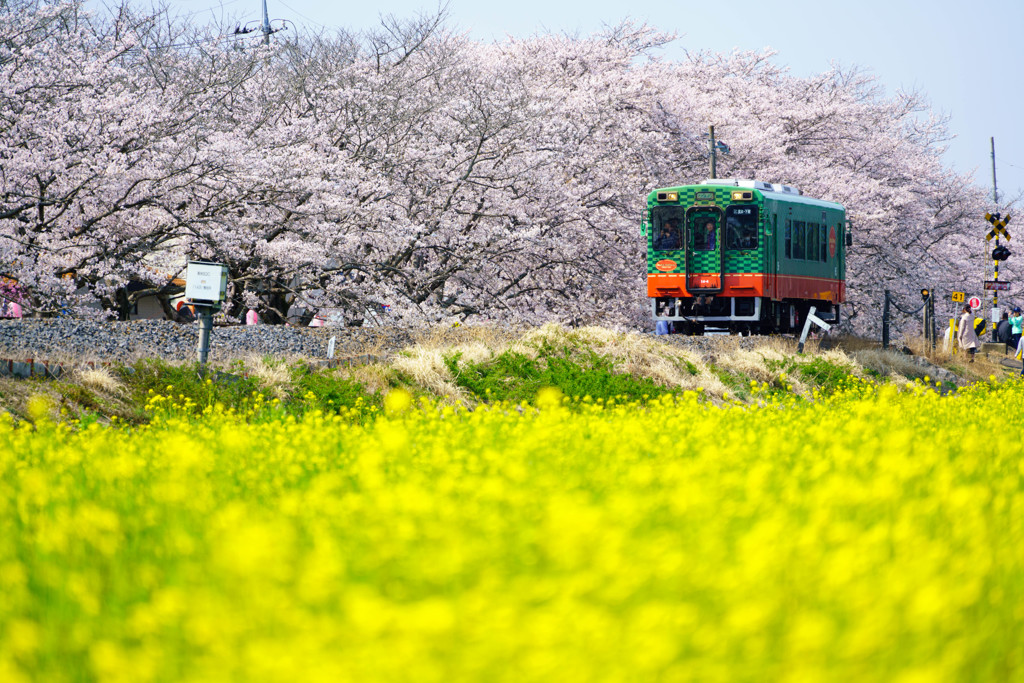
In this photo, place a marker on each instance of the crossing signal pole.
(1000, 253)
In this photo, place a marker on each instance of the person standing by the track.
(1016, 326)
(965, 333)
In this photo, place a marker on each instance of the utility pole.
(266, 26)
(995, 192)
(885, 321)
(931, 316)
(995, 200)
(712, 138)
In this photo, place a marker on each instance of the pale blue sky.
(966, 57)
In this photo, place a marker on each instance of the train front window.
(668, 227)
(703, 232)
(741, 227)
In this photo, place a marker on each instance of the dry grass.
(99, 378)
(424, 364)
(850, 343)
(447, 337)
(14, 395)
(889, 363)
(273, 377)
(840, 357)
(940, 355)
(755, 364)
(375, 378)
(377, 346)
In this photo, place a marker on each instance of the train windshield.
(668, 228)
(704, 231)
(741, 227)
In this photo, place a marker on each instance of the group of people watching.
(1008, 331)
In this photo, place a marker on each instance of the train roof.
(776, 191)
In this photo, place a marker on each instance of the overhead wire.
(312, 21)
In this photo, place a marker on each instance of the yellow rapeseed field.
(872, 535)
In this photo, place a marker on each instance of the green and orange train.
(743, 256)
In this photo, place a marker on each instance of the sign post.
(205, 288)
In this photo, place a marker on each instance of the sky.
(965, 57)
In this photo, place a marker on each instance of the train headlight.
(668, 196)
(742, 195)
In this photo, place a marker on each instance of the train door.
(771, 250)
(704, 251)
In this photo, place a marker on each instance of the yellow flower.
(397, 401)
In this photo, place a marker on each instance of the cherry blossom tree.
(410, 175)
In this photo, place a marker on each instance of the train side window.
(789, 238)
(799, 229)
(824, 242)
(812, 242)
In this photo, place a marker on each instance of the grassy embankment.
(483, 366)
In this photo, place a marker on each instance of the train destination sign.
(997, 285)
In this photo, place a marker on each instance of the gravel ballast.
(71, 340)
(64, 339)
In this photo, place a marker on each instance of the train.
(743, 257)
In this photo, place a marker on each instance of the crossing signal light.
(924, 294)
(1000, 253)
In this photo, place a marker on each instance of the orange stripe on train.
(750, 284)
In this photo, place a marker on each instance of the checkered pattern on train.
(746, 261)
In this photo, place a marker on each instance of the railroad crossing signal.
(998, 226)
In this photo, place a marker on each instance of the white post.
(811, 318)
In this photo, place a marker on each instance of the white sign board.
(974, 302)
(206, 281)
